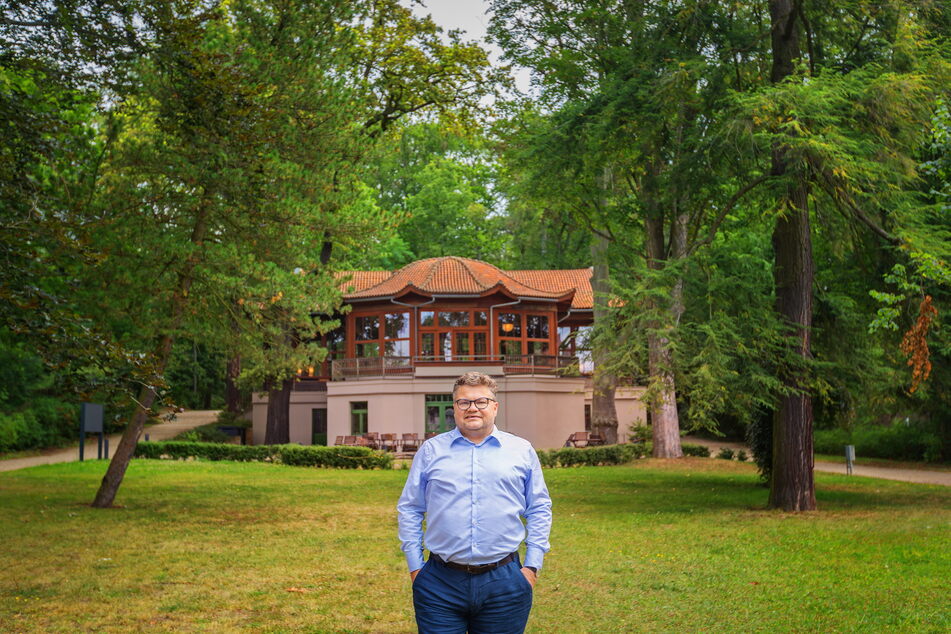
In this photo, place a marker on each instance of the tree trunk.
(792, 487)
(603, 413)
(278, 428)
(109, 486)
(665, 419)
(233, 403)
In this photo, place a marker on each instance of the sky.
(472, 17)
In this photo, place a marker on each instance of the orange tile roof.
(464, 276)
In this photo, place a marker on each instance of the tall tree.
(226, 178)
(637, 89)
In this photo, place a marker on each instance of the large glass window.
(445, 345)
(461, 347)
(396, 331)
(384, 334)
(397, 325)
(536, 333)
(510, 325)
(396, 348)
(428, 345)
(480, 348)
(371, 349)
(454, 319)
(536, 326)
(453, 335)
(367, 327)
(537, 347)
(511, 347)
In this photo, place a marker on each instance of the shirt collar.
(495, 436)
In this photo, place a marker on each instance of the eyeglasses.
(480, 403)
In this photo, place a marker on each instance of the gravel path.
(162, 431)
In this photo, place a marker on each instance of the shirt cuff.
(534, 557)
(414, 561)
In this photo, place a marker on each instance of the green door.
(439, 417)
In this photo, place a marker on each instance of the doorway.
(439, 416)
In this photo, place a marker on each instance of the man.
(474, 484)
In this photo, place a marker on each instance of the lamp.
(508, 327)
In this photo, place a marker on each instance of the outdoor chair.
(431, 434)
(373, 439)
(388, 442)
(577, 439)
(595, 439)
(339, 441)
(410, 442)
(350, 440)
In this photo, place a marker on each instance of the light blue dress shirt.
(473, 497)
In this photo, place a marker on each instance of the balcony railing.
(396, 367)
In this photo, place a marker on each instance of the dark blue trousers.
(451, 601)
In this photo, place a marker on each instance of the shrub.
(46, 422)
(700, 451)
(641, 433)
(296, 455)
(725, 453)
(15, 430)
(741, 456)
(204, 433)
(897, 442)
(591, 456)
(231, 419)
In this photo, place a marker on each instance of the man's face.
(475, 423)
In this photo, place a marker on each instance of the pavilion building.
(411, 332)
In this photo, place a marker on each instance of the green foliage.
(46, 422)
(438, 182)
(726, 453)
(294, 455)
(195, 376)
(32, 416)
(592, 456)
(699, 451)
(203, 433)
(897, 442)
(232, 419)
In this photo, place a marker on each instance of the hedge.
(591, 456)
(296, 455)
(897, 442)
(699, 451)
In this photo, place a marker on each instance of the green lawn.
(655, 546)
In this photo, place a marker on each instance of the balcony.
(405, 367)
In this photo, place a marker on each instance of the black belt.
(473, 569)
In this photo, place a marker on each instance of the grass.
(654, 546)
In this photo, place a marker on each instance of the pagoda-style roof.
(465, 277)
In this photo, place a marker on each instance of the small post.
(106, 443)
(849, 458)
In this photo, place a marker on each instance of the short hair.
(476, 378)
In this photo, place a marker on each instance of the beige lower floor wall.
(543, 409)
